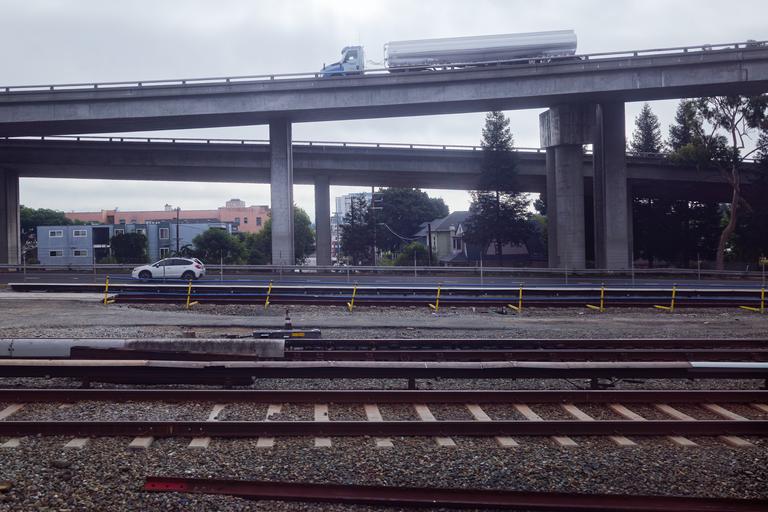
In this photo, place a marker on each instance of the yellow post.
(761, 309)
(269, 291)
(351, 304)
(671, 306)
(189, 295)
(106, 292)
(519, 307)
(436, 306)
(600, 308)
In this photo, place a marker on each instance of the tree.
(750, 242)
(357, 232)
(403, 211)
(687, 126)
(30, 218)
(129, 248)
(498, 213)
(258, 246)
(413, 252)
(215, 244)
(730, 120)
(647, 135)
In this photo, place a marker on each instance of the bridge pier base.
(323, 220)
(563, 131)
(613, 215)
(281, 192)
(10, 247)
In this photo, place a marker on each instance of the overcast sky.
(60, 41)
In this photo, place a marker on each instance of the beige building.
(248, 219)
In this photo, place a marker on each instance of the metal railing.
(305, 143)
(225, 80)
(749, 272)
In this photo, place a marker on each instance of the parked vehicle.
(171, 268)
(459, 52)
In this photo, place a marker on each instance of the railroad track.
(244, 372)
(414, 295)
(673, 414)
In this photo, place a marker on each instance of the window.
(165, 233)
(56, 253)
(79, 252)
(165, 251)
(119, 231)
(245, 220)
(457, 243)
(122, 221)
(55, 233)
(258, 221)
(237, 220)
(141, 231)
(80, 233)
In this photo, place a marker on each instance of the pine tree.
(498, 213)
(687, 127)
(647, 135)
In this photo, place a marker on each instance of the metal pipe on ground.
(453, 498)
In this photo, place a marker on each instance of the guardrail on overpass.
(377, 71)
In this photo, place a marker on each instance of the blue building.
(84, 245)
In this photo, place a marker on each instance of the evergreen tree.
(687, 126)
(498, 213)
(647, 135)
(129, 248)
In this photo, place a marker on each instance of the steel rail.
(524, 343)
(313, 75)
(508, 354)
(36, 395)
(444, 497)
(232, 429)
(243, 372)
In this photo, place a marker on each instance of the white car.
(171, 268)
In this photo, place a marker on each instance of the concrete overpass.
(585, 95)
(328, 163)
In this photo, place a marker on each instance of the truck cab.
(352, 63)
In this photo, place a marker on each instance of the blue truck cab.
(352, 63)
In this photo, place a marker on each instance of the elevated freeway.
(585, 95)
(343, 163)
(231, 101)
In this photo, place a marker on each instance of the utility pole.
(429, 243)
(178, 241)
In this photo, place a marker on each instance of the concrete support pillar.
(10, 226)
(569, 197)
(281, 191)
(564, 129)
(551, 210)
(323, 220)
(612, 214)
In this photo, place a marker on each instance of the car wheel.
(145, 274)
(188, 275)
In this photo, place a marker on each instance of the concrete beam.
(355, 166)
(10, 225)
(323, 220)
(237, 103)
(281, 192)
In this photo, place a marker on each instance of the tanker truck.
(458, 52)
